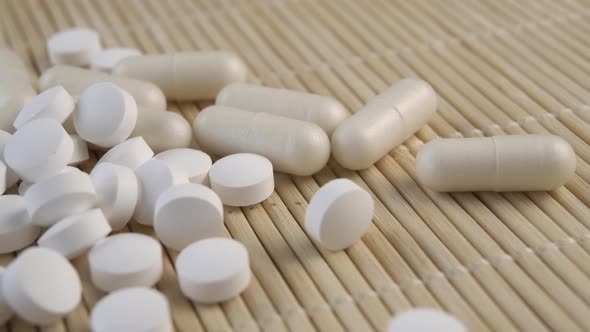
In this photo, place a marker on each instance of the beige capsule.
(16, 88)
(293, 146)
(186, 75)
(75, 80)
(384, 123)
(162, 130)
(15, 93)
(324, 111)
(499, 163)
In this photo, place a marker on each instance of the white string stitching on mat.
(519, 123)
(382, 290)
(434, 44)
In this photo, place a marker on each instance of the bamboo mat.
(503, 262)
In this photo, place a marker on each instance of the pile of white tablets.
(147, 172)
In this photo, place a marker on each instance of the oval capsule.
(293, 146)
(499, 163)
(163, 130)
(384, 123)
(186, 75)
(16, 88)
(11, 63)
(75, 80)
(324, 111)
(15, 93)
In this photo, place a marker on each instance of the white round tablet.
(54, 103)
(186, 213)
(80, 153)
(74, 47)
(193, 164)
(41, 286)
(155, 176)
(131, 153)
(213, 270)
(107, 59)
(105, 115)
(5, 311)
(73, 235)
(425, 319)
(39, 149)
(59, 196)
(339, 214)
(125, 260)
(117, 191)
(135, 309)
(242, 179)
(16, 229)
(11, 177)
(23, 187)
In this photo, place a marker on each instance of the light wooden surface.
(503, 262)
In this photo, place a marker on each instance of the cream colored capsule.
(186, 75)
(15, 93)
(75, 80)
(162, 130)
(293, 146)
(16, 88)
(384, 123)
(499, 163)
(324, 111)
(11, 63)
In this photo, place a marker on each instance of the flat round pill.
(106, 114)
(5, 311)
(117, 191)
(213, 270)
(80, 153)
(11, 177)
(339, 214)
(242, 179)
(16, 229)
(186, 213)
(193, 164)
(425, 320)
(54, 103)
(38, 149)
(23, 187)
(155, 176)
(59, 196)
(41, 286)
(131, 153)
(107, 59)
(74, 235)
(132, 310)
(163, 130)
(125, 260)
(76, 80)
(74, 47)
